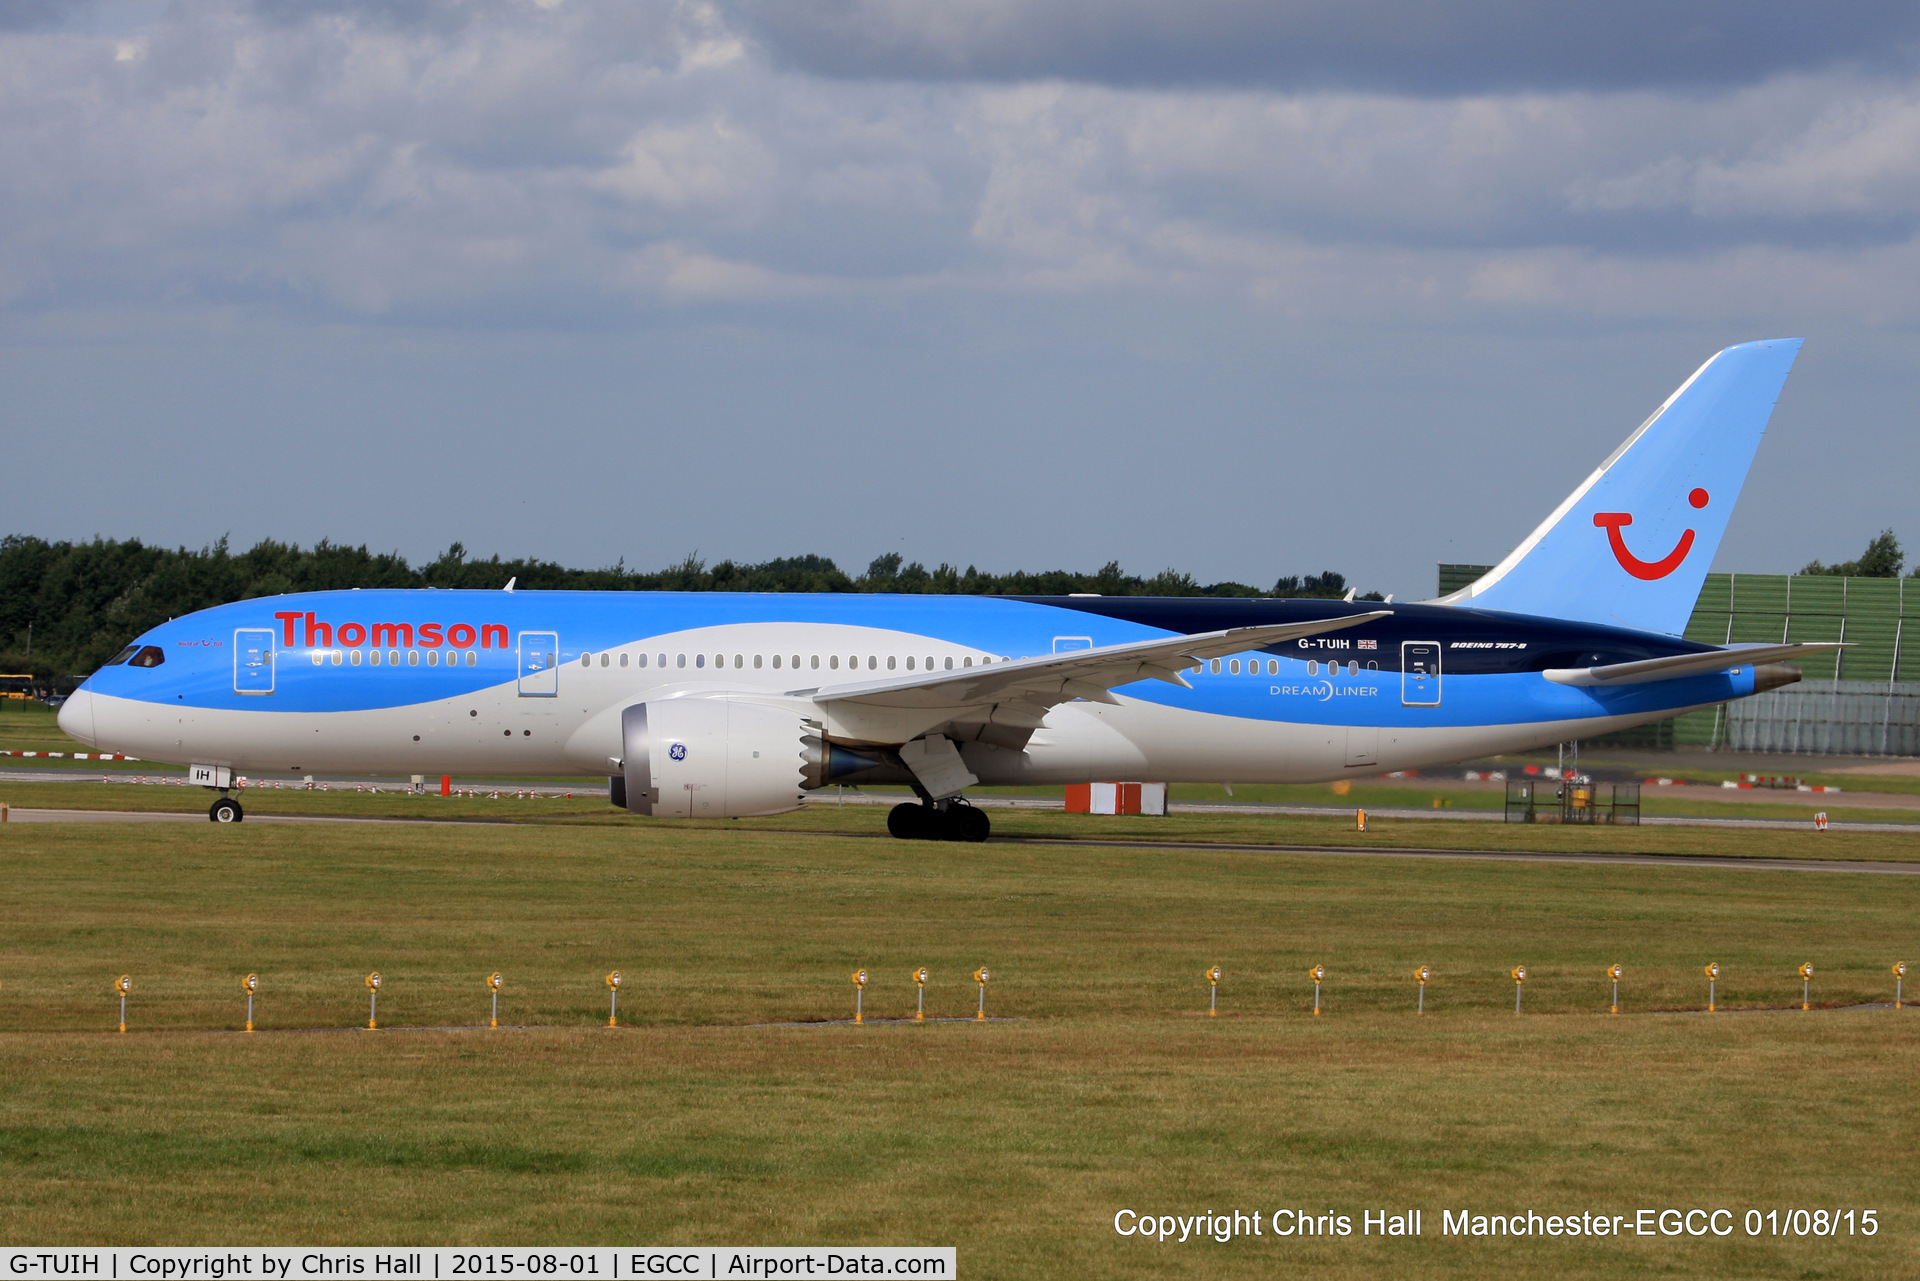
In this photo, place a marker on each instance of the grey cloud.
(1424, 47)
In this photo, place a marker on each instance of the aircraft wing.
(1084, 673)
(1647, 670)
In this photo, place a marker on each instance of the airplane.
(730, 705)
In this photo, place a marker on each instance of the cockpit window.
(121, 657)
(149, 656)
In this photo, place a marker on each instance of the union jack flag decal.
(1367, 644)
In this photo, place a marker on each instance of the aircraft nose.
(76, 717)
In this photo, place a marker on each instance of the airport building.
(1863, 700)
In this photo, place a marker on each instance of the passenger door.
(253, 660)
(1420, 673)
(539, 664)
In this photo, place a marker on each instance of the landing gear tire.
(911, 822)
(226, 810)
(968, 824)
(908, 822)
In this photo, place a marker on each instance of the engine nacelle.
(717, 757)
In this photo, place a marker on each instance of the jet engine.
(710, 758)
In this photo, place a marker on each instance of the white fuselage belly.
(496, 733)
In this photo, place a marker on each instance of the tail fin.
(1631, 546)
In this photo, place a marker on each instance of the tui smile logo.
(1649, 570)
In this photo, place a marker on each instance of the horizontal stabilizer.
(1647, 670)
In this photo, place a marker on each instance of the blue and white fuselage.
(716, 705)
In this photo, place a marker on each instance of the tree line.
(67, 607)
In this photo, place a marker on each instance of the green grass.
(1107, 1088)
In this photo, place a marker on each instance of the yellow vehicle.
(16, 685)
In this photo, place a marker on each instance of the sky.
(1243, 288)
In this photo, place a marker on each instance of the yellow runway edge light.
(494, 980)
(613, 998)
(1213, 992)
(920, 1007)
(980, 977)
(373, 1000)
(859, 996)
(1712, 971)
(1318, 974)
(1614, 972)
(250, 985)
(1421, 976)
(123, 985)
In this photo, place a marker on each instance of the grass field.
(1104, 1088)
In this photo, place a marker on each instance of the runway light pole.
(1614, 972)
(250, 985)
(1519, 973)
(1213, 992)
(1317, 974)
(494, 981)
(373, 1000)
(1899, 981)
(613, 999)
(1421, 976)
(123, 985)
(980, 977)
(1806, 986)
(920, 983)
(1713, 979)
(859, 996)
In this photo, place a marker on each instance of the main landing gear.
(951, 820)
(226, 810)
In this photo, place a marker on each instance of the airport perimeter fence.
(1863, 700)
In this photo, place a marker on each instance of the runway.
(1171, 847)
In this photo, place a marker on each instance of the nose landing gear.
(226, 810)
(948, 820)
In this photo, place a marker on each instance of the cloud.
(477, 164)
(1419, 47)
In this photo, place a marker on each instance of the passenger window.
(776, 662)
(833, 661)
(319, 657)
(965, 662)
(606, 660)
(699, 660)
(909, 662)
(354, 657)
(889, 662)
(393, 658)
(373, 657)
(756, 662)
(433, 658)
(679, 660)
(1233, 667)
(413, 658)
(1214, 666)
(1313, 667)
(796, 662)
(586, 660)
(1372, 666)
(1353, 669)
(623, 660)
(473, 657)
(739, 661)
(949, 662)
(816, 662)
(872, 662)
(337, 656)
(929, 664)
(1273, 667)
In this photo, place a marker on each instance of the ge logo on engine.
(678, 751)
